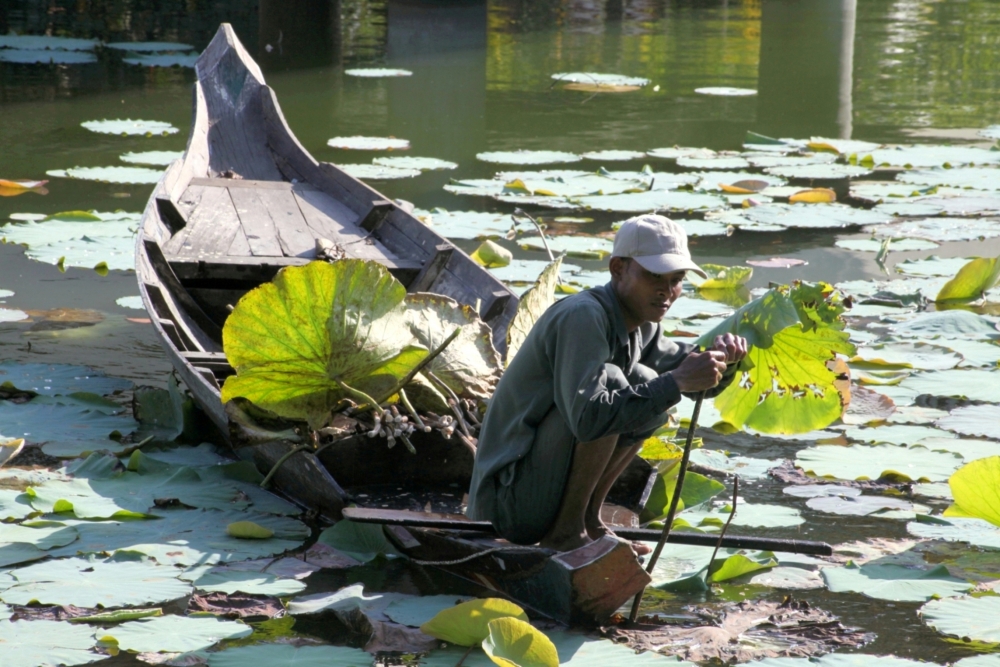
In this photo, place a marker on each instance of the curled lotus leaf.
(516, 643)
(467, 624)
(976, 490)
(975, 618)
(533, 303)
(721, 277)
(972, 280)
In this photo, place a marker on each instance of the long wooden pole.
(674, 501)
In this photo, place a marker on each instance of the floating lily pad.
(977, 178)
(961, 205)
(289, 655)
(419, 163)
(134, 302)
(777, 262)
(377, 72)
(821, 490)
(866, 506)
(932, 266)
(467, 224)
(528, 270)
(864, 462)
(415, 611)
(942, 229)
(149, 47)
(921, 356)
(641, 202)
(598, 79)
(897, 245)
(578, 650)
(821, 172)
(347, 598)
(973, 384)
(894, 582)
(895, 434)
(14, 553)
(973, 420)
(162, 59)
(358, 143)
(842, 146)
(975, 618)
(66, 424)
(713, 181)
(796, 216)
(768, 160)
(725, 91)
(157, 158)
(747, 514)
(40, 42)
(175, 633)
(947, 324)
(230, 580)
(613, 155)
(376, 172)
(675, 152)
(46, 57)
(527, 157)
(742, 466)
(585, 247)
(125, 175)
(929, 156)
(35, 643)
(718, 162)
(86, 583)
(42, 534)
(130, 127)
(955, 529)
(60, 379)
(361, 541)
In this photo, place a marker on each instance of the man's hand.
(734, 347)
(700, 371)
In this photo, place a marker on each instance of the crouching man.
(594, 378)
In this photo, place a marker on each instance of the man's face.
(644, 296)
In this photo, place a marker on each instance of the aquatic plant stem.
(452, 401)
(277, 464)
(464, 656)
(518, 213)
(422, 365)
(404, 399)
(722, 535)
(674, 502)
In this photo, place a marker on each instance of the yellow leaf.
(733, 190)
(821, 147)
(492, 255)
(515, 643)
(545, 193)
(814, 196)
(516, 187)
(101, 268)
(976, 489)
(979, 275)
(467, 624)
(248, 530)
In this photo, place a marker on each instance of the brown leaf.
(237, 605)
(328, 558)
(867, 406)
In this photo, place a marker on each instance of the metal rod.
(674, 501)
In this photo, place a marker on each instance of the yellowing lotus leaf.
(515, 643)
(976, 489)
(697, 489)
(533, 303)
(492, 255)
(293, 339)
(737, 565)
(972, 280)
(466, 624)
(721, 277)
(814, 196)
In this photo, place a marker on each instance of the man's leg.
(590, 466)
(620, 459)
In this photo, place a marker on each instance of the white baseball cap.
(657, 243)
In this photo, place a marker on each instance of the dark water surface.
(881, 70)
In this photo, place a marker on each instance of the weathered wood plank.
(169, 214)
(330, 219)
(247, 183)
(432, 270)
(240, 247)
(205, 332)
(211, 226)
(295, 236)
(256, 222)
(256, 270)
(216, 302)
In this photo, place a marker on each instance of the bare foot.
(596, 528)
(641, 548)
(564, 541)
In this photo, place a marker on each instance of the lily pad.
(800, 216)
(162, 59)
(156, 158)
(358, 143)
(768, 160)
(46, 57)
(35, 643)
(719, 181)
(866, 506)
(942, 229)
(42, 534)
(376, 172)
(467, 624)
(928, 156)
(973, 384)
(289, 655)
(777, 262)
(895, 434)
(466, 224)
(230, 580)
(14, 553)
(897, 245)
(87, 583)
(975, 618)
(977, 178)
(124, 175)
(718, 162)
(821, 491)
(178, 634)
(932, 266)
(725, 91)
(922, 356)
(79, 244)
(598, 79)
(822, 172)
(613, 155)
(149, 47)
(753, 515)
(134, 302)
(130, 127)
(415, 611)
(643, 202)
(528, 270)
(527, 157)
(894, 582)
(67, 424)
(675, 152)
(842, 146)
(973, 420)
(361, 541)
(419, 163)
(40, 42)
(377, 72)
(584, 247)
(950, 324)
(578, 650)
(957, 529)
(864, 462)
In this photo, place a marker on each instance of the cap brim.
(668, 264)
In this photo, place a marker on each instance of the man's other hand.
(734, 347)
(700, 371)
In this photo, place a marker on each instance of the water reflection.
(295, 34)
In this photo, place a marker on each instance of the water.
(884, 70)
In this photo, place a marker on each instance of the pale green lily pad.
(175, 634)
(466, 224)
(974, 420)
(877, 192)
(527, 157)
(449, 657)
(742, 466)
(712, 180)
(725, 91)
(40, 42)
(942, 230)
(821, 172)
(599, 79)
(531, 189)
(921, 356)
(415, 611)
(977, 178)
(686, 308)
(752, 515)
(640, 202)
(947, 324)
(528, 270)
(584, 247)
(134, 302)
(843, 146)
(419, 163)
(130, 127)
(971, 204)
(289, 655)
(155, 158)
(361, 541)
(932, 266)
(14, 504)
(787, 578)
(87, 583)
(973, 384)
(79, 244)
(578, 650)
(985, 660)
(14, 553)
(799, 216)
(124, 175)
(867, 506)
(358, 143)
(718, 162)
(149, 47)
(895, 434)
(12, 315)
(929, 156)
(47, 644)
(346, 599)
(975, 618)
(675, 152)
(186, 537)
(162, 59)
(955, 529)
(991, 132)
(229, 581)
(42, 534)
(68, 425)
(894, 582)
(768, 160)
(377, 72)
(939, 490)
(968, 449)
(821, 491)
(842, 660)
(376, 172)
(204, 454)
(60, 379)
(864, 462)
(46, 57)
(897, 245)
(613, 155)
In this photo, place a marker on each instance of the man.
(593, 379)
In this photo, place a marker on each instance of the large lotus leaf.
(467, 624)
(230, 580)
(697, 490)
(978, 178)
(130, 127)
(377, 172)
(156, 158)
(41, 534)
(956, 529)
(894, 582)
(420, 163)
(866, 505)
(47, 644)
(358, 143)
(186, 537)
(755, 515)
(922, 356)
(67, 424)
(942, 229)
(466, 224)
(293, 339)
(415, 611)
(578, 650)
(57, 379)
(863, 462)
(289, 655)
(643, 202)
(527, 157)
(797, 216)
(82, 244)
(176, 634)
(533, 303)
(162, 59)
(819, 171)
(972, 280)
(516, 643)
(13, 553)
(974, 420)
(361, 541)
(928, 156)
(895, 434)
(975, 618)
(947, 324)
(50, 57)
(470, 365)
(721, 277)
(87, 583)
(742, 466)
(976, 489)
(973, 384)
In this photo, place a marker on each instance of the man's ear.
(617, 267)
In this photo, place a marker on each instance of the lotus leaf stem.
(736, 490)
(406, 441)
(464, 656)
(409, 408)
(423, 364)
(277, 464)
(360, 395)
(518, 213)
(454, 403)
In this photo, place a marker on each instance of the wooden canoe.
(247, 200)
